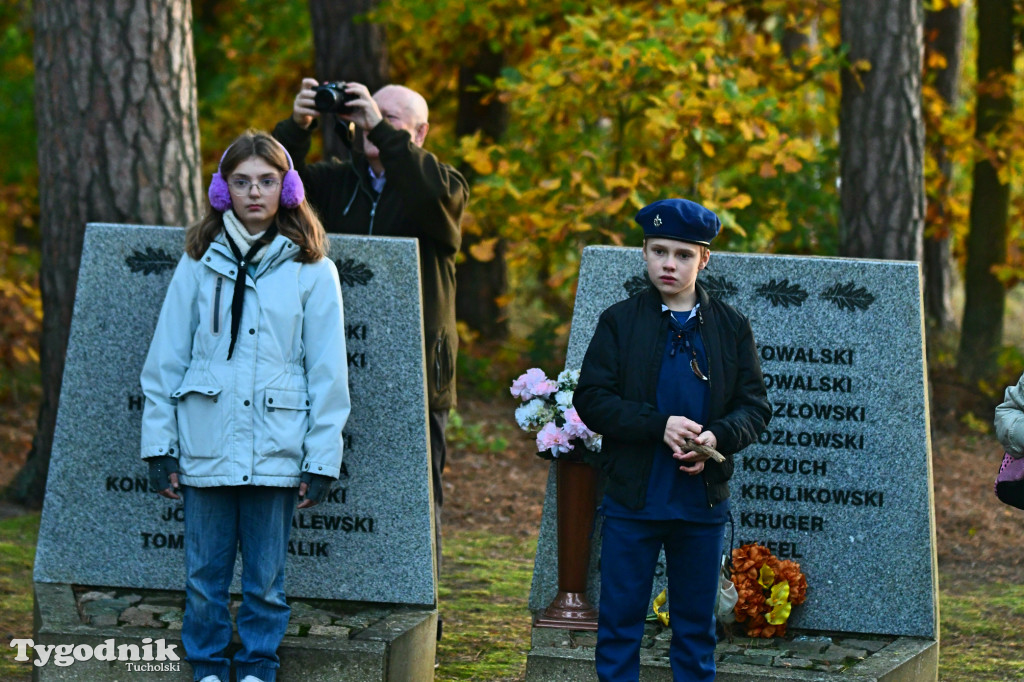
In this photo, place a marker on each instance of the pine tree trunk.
(985, 296)
(118, 142)
(347, 50)
(944, 32)
(882, 131)
(479, 284)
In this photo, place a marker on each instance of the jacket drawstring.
(354, 193)
(374, 199)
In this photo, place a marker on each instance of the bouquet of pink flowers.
(547, 409)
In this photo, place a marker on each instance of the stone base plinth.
(568, 656)
(327, 641)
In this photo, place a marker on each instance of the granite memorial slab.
(841, 480)
(371, 541)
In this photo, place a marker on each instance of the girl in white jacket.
(246, 388)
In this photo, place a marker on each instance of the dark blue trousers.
(629, 555)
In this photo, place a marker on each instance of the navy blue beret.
(679, 219)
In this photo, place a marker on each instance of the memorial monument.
(841, 480)
(370, 543)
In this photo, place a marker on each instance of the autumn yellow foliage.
(612, 106)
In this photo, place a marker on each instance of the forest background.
(566, 117)
(579, 115)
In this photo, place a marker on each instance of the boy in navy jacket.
(667, 366)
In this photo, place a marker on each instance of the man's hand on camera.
(304, 111)
(364, 110)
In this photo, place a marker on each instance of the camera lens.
(332, 98)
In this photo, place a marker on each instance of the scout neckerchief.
(252, 255)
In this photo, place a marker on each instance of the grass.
(980, 631)
(17, 551)
(484, 589)
(485, 584)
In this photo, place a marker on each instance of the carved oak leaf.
(352, 273)
(634, 285)
(782, 293)
(848, 296)
(719, 287)
(151, 261)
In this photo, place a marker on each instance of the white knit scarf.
(237, 233)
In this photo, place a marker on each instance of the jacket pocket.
(285, 422)
(443, 368)
(200, 420)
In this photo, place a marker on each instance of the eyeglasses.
(240, 187)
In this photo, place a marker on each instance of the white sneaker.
(210, 678)
(251, 678)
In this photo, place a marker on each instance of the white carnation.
(563, 399)
(568, 379)
(534, 414)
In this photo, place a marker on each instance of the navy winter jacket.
(618, 386)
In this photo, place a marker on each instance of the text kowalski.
(840, 496)
(812, 439)
(814, 356)
(806, 382)
(823, 412)
(785, 465)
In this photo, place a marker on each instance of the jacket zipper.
(652, 380)
(700, 326)
(374, 199)
(216, 306)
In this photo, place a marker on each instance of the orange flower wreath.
(767, 590)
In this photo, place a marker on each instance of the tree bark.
(944, 31)
(881, 131)
(985, 296)
(118, 141)
(347, 49)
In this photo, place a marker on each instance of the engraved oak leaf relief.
(151, 261)
(719, 287)
(782, 293)
(848, 296)
(352, 273)
(635, 284)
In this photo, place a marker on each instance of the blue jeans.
(629, 555)
(218, 522)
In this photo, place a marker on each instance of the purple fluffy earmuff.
(292, 191)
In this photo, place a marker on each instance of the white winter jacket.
(277, 408)
(1009, 419)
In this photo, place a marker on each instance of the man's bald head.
(404, 108)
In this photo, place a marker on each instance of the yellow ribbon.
(779, 600)
(659, 601)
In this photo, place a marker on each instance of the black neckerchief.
(239, 293)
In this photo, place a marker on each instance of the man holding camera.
(391, 187)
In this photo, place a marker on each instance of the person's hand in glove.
(163, 476)
(313, 489)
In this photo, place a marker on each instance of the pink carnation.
(554, 439)
(574, 426)
(533, 384)
(543, 388)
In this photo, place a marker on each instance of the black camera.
(331, 98)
